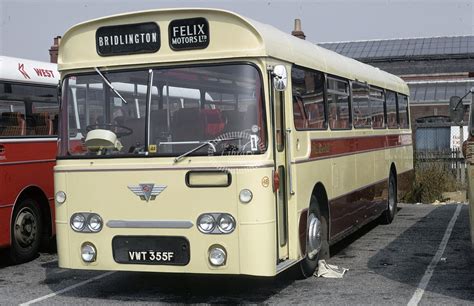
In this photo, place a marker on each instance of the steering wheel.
(119, 130)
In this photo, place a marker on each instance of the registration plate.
(151, 256)
(151, 250)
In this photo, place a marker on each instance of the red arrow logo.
(21, 68)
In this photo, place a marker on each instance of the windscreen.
(164, 112)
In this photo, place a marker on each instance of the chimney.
(297, 31)
(53, 51)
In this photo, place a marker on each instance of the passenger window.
(361, 106)
(378, 109)
(403, 111)
(44, 117)
(12, 119)
(298, 113)
(392, 118)
(338, 104)
(308, 88)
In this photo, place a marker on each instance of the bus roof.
(27, 71)
(231, 36)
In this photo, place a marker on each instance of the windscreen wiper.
(110, 85)
(206, 143)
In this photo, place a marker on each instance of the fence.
(449, 161)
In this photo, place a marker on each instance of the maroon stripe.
(356, 208)
(323, 148)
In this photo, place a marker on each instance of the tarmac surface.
(423, 257)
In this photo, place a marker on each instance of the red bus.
(28, 144)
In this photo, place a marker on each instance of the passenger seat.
(12, 124)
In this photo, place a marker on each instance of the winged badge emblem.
(147, 192)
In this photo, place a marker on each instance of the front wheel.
(389, 214)
(26, 231)
(317, 246)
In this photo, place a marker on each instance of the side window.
(12, 120)
(361, 107)
(391, 102)
(338, 104)
(299, 115)
(378, 110)
(27, 110)
(308, 92)
(403, 111)
(45, 119)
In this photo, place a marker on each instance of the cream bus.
(199, 141)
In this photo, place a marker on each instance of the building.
(435, 69)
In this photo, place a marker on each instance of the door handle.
(288, 161)
(2, 149)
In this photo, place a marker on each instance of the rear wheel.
(317, 246)
(389, 214)
(26, 230)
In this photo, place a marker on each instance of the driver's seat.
(137, 138)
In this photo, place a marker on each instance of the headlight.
(94, 223)
(60, 197)
(78, 222)
(245, 196)
(217, 255)
(226, 223)
(88, 252)
(206, 223)
(85, 222)
(216, 223)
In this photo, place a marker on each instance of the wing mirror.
(456, 109)
(280, 78)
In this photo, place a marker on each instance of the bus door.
(281, 160)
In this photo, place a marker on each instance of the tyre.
(317, 246)
(26, 229)
(389, 214)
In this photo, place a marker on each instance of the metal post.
(462, 165)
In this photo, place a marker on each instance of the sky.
(27, 27)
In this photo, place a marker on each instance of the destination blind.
(185, 34)
(128, 39)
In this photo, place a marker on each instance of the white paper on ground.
(329, 271)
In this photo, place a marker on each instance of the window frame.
(64, 154)
(396, 108)
(383, 100)
(349, 105)
(27, 102)
(363, 84)
(302, 106)
(407, 112)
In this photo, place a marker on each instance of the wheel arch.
(319, 191)
(36, 193)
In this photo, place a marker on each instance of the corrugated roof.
(439, 91)
(431, 47)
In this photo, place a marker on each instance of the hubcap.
(25, 227)
(391, 197)
(314, 236)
